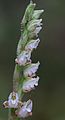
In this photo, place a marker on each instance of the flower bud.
(31, 69)
(30, 84)
(25, 110)
(37, 14)
(32, 44)
(28, 13)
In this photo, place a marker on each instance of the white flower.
(30, 84)
(37, 14)
(32, 44)
(31, 69)
(13, 101)
(25, 110)
(37, 30)
(33, 24)
(23, 58)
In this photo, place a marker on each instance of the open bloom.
(13, 101)
(30, 84)
(32, 44)
(25, 110)
(31, 69)
(23, 58)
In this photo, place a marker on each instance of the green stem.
(16, 79)
(11, 115)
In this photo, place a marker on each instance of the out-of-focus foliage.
(49, 97)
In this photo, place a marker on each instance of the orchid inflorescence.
(25, 79)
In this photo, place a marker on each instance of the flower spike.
(25, 78)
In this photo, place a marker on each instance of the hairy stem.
(11, 115)
(16, 79)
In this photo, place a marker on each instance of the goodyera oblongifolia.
(25, 78)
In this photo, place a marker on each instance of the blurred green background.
(49, 97)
